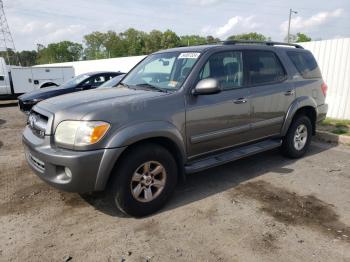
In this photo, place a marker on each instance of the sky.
(45, 21)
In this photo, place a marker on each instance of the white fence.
(333, 57)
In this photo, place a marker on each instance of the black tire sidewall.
(288, 147)
(134, 158)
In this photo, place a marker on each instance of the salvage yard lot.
(262, 208)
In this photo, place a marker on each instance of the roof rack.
(268, 43)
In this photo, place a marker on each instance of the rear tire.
(144, 180)
(297, 141)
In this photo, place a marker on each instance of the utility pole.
(289, 22)
(6, 40)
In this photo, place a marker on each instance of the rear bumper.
(68, 170)
(321, 112)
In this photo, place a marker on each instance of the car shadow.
(215, 180)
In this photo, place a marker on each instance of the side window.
(95, 81)
(226, 67)
(263, 67)
(305, 64)
(98, 80)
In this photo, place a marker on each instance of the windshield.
(113, 82)
(164, 71)
(75, 81)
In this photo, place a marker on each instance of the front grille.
(37, 123)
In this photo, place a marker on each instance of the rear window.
(306, 64)
(264, 67)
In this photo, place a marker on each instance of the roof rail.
(268, 43)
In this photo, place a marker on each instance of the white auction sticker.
(189, 55)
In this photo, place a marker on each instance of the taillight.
(324, 88)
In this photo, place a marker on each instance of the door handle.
(289, 93)
(240, 101)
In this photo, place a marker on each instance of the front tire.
(297, 141)
(144, 180)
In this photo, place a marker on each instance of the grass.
(335, 126)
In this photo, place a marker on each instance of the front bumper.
(68, 170)
(322, 112)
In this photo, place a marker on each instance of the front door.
(222, 120)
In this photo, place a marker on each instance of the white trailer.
(15, 80)
(121, 64)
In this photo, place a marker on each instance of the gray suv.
(178, 111)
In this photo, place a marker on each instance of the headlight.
(80, 133)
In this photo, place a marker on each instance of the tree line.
(132, 42)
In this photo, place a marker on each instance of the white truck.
(16, 80)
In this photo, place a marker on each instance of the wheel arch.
(47, 84)
(303, 105)
(164, 134)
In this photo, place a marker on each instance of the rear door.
(222, 120)
(271, 93)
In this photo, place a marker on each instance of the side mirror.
(207, 87)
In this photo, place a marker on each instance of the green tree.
(211, 40)
(64, 51)
(301, 37)
(153, 42)
(114, 45)
(250, 36)
(94, 45)
(170, 40)
(188, 40)
(10, 56)
(28, 58)
(134, 41)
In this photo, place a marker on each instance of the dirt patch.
(267, 242)
(72, 200)
(150, 227)
(24, 200)
(1, 144)
(2, 121)
(292, 209)
(208, 214)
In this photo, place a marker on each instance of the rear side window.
(306, 64)
(264, 67)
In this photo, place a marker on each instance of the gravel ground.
(263, 208)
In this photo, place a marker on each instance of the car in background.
(79, 83)
(113, 82)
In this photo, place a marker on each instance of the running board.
(232, 155)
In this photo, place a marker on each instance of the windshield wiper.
(152, 87)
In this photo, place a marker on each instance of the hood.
(95, 103)
(44, 93)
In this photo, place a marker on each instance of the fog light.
(68, 172)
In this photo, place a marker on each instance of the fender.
(298, 103)
(146, 130)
